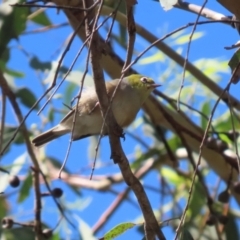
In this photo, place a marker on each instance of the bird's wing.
(87, 105)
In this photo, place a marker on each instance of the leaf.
(26, 97)
(172, 176)
(12, 22)
(16, 166)
(35, 63)
(8, 134)
(197, 201)
(85, 231)
(76, 77)
(206, 110)
(233, 64)
(186, 38)
(18, 163)
(231, 228)
(157, 57)
(118, 230)
(186, 235)
(152, 152)
(51, 115)
(40, 17)
(167, 4)
(14, 73)
(25, 188)
(19, 233)
(4, 206)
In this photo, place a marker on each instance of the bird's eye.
(144, 80)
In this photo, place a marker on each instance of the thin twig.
(200, 156)
(3, 114)
(47, 28)
(187, 54)
(115, 132)
(234, 132)
(12, 98)
(55, 7)
(131, 27)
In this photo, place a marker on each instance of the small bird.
(129, 97)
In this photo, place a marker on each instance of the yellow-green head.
(143, 85)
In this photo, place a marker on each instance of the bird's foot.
(123, 136)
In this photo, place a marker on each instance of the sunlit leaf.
(186, 38)
(85, 230)
(118, 230)
(25, 188)
(14, 73)
(233, 64)
(157, 57)
(171, 176)
(206, 110)
(167, 4)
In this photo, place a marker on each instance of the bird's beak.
(155, 85)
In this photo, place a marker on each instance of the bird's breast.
(125, 109)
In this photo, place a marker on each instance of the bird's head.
(144, 85)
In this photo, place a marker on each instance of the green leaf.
(12, 22)
(5, 57)
(25, 188)
(197, 200)
(233, 64)
(206, 110)
(235, 59)
(8, 134)
(118, 230)
(231, 228)
(172, 176)
(51, 115)
(19, 233)
(152, 152)
(4, 206)
(14, 73)
(157, 57)
(186, 38)
(40, 18)
(35, 63)
(186, 235)
(26, 97)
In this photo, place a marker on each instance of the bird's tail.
(49, 135)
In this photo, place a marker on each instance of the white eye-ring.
(144, 80)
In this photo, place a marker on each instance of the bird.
(129, 97)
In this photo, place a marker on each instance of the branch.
(114, 131)
(11, 96)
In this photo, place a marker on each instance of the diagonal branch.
(114, 131)
(11, 96)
